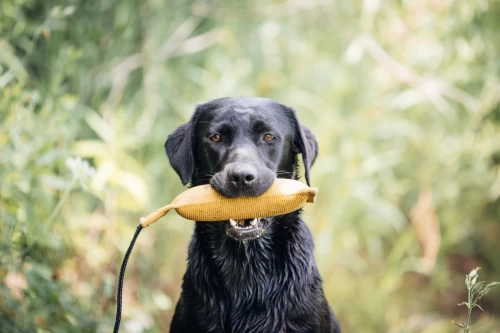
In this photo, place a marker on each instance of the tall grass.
(402, 96)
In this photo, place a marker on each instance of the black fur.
(267, 285)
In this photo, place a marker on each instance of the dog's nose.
(242, 175)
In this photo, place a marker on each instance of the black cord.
(120, 280)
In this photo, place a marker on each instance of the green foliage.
(403, 98)
(475, 291)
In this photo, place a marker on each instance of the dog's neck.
(235, 283)
(244, 268)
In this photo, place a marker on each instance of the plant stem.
(56, 209)
(469, 307)
(63, 198)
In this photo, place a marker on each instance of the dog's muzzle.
(244, 230)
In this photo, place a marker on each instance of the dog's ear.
(180, 149)
(304, 142)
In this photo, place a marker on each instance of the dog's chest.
(259, 306)
(254, 288)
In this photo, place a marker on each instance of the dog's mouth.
(244, 230)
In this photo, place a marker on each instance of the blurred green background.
(403, 97)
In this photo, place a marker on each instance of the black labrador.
(248, 276)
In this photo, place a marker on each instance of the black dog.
(239, 278)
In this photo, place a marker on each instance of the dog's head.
(240, 145)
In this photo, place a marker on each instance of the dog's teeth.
(253, 222)
(233, 222)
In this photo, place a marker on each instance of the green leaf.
(477, 286)
(483, 292)
(492, 285)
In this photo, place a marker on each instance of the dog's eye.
(269, 137)
(215, 138)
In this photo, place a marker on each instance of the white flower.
(80, 170)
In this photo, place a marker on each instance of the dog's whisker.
(285, 173)
(204, 122)
(205, 176)
(205, 173)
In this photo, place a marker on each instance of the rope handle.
(155, 216)
(121, 278)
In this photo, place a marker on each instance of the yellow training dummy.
(203, 203)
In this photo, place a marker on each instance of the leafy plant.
(476, 290)
(401, 95)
